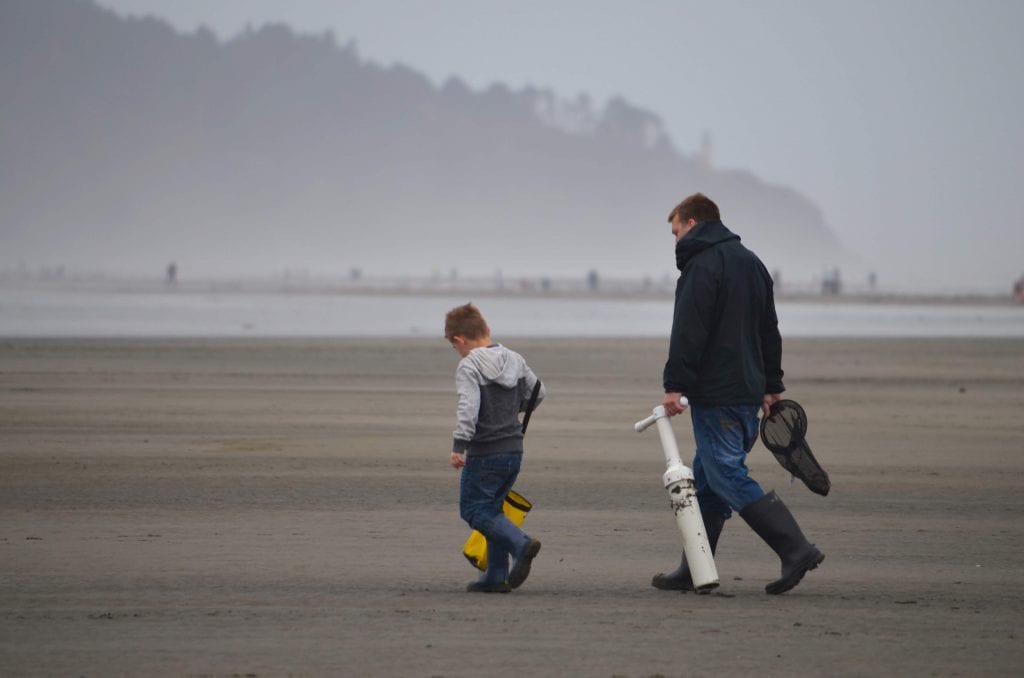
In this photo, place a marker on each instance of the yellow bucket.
(516, 507)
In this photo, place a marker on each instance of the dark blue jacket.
(725, 347)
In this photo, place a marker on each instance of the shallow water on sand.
(180, 313)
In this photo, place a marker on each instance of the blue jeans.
(724, 436)
(483, 486)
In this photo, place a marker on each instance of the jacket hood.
(498, 364)
(702, 236)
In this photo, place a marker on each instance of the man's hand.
(458, 459)
(671, 404)
(769, 400)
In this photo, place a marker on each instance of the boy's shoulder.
(493, 363)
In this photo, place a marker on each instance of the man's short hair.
(465, 321)
(698, 207)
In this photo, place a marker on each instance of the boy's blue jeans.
(483, 486)
(484, 483)
(724, 436)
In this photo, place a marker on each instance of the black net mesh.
(783, 433)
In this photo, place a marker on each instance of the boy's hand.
(458, 459)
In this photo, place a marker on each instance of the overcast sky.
(899, 118)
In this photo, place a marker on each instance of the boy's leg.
(495, 579)
(497, 563)
(522, 547)
(485, 484)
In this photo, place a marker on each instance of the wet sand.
(222, 508)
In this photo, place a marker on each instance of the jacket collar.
(704, 235)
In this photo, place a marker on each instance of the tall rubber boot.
(773, 523)
(680, 579)
(495, 578)
(522, 548)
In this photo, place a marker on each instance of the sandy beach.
(285, 507)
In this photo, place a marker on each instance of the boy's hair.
(698, 207)
(465, 321)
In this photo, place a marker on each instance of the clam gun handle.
(658, 413)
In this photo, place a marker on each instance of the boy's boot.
(773, 523)
(495, 579)
(680, 580)
(516, 542)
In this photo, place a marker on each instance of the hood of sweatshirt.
(702, 236)
(498, 364)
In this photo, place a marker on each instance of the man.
(725, 356)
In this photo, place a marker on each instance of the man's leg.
(773, 522)
(724, 435)
(714, 512)
(680, 579)
(727, 434)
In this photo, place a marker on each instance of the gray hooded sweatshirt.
(493, 386)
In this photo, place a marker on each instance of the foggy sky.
(899, 119)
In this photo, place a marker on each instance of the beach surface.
(286, 507)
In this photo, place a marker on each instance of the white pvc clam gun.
(683, 499)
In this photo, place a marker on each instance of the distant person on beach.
(494, 385)
(725, 356)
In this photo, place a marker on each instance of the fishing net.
(784, 432)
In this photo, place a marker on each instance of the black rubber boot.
(521, 567)
(773, 523)
(488, 587)
(680, 580)
(521, 546)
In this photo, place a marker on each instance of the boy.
(493, 386)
